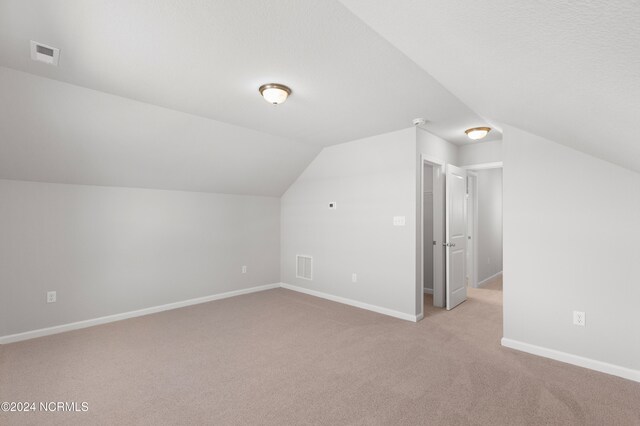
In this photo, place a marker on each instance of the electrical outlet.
(51, 297)
(354, 278)
(244, 269)
(579, 318)
(333, 205)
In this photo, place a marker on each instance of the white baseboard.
(592, 364)
(486, 280)
(428, 290)
(351, 302)
(132, 314)
(154, 309)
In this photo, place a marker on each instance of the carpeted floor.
(284, 358)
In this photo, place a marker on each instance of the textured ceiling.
(208, 58)
(565, 70)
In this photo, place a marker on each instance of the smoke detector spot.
(44, 53)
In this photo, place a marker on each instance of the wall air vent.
(304, 267)
(43, 53)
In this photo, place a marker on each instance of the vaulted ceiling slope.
(57, 132)
(208, 58)
(568, 71)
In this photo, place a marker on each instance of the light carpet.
(284, 358)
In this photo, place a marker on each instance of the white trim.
(592, 364)
(486, 280)
(433, 160)
(427, 291)
(351, 302)
(125, 315)
(11, 338)
(484, 166)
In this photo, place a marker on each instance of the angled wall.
(371, 180)
(571, 232)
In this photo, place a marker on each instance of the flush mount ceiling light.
(274, 93)
(477, 133)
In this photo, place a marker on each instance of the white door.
(456, 233)
(472, 202)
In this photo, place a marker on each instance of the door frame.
(438, 232)
(472, 209)
(483, 166)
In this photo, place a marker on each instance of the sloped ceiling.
(208, 58)
(56, 132)
(164, 93)
(565, 70)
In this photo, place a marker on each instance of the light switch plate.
(398, 221)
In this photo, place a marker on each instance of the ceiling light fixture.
(274, 93)
(419, 122)
(477, 133)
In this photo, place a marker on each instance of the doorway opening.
(484, 218)
(460, 242)
(427, 233)
(431, 288)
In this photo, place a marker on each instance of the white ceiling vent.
(304, 267)
(43, 53)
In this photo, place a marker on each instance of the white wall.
(489, 232)
(436, 147)
(480, 153)
(571, 232)
(108, 250)
(372, 180)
